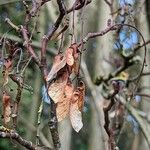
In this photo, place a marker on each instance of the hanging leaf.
(75, 114)
(81, 91)
(56, 89)
(69, 56)
(8, 64)
(71, 103)
(6, 108)
(75, 51)
(59, 63)
(75, 67)
(63, 107)
(7, 69)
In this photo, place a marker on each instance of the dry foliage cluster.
(69, 98)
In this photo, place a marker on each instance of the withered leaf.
(69, 56)
(76, 106)
(8, 64)
(81, 91)
(6, 108)
(75, 67)
(71, 104)
(56, 89)
(75, 114)
(7, 69)
(59, 63)
(75, 51)
(63, 106)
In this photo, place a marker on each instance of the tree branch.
(144, 125)
(79, 5)
(15, 136)
(97, 103)
(96, 34)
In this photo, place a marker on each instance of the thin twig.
(15, 136)
(17, 102)
(96, 34)
(78, 6)
(26, 65)
(28, 46)
(143, 94)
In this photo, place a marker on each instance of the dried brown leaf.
(75, 67)
(6, 108)
(75, 114)
(75, 51)
(56, 89)
(69, 56)
(8, 64)
(7, 69)
(59, 63)
(76, 106)
(63, 107)
(81, 91)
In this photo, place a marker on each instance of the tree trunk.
(98, 50)
(145, 82)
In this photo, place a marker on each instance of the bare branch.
(96, 34)
(78, 5)
(144, 125)
(28, 46)
(15, 136)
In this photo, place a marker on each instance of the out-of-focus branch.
(145, 73)
(110, 4)
(3, 2)
(34, 44)
(15, 136)
(96, 34)
(140, 46)
(144, 125)
(97, 103)
(143, 95)
(106, 110)
(107, 2)
(126, 65)
(78, 5)
(65, 27)
(32, 128)
(7, 20)
(36, 5)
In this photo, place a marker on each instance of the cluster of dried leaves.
(69, 98)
